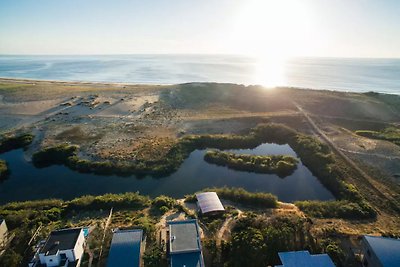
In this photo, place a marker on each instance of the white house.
(63, 248)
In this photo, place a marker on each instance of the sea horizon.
(346, 74)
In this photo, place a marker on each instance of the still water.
(27, 182)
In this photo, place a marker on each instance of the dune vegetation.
(282, 165)
(391, 134)
(314, 154)
(8, 143)
(3, 169)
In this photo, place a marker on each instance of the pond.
(27, 182)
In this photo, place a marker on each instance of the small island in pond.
(3, 169)
(282, 165)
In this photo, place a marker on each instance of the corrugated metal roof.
(125, 249)
(209, 202)
(304, 259)
(386, 249)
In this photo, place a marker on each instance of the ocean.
(342, 74)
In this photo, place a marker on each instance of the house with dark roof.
(63, 247)
(380, 251)
(209, 203)
(304, 259)
(126, 249)
(184, 244)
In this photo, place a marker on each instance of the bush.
(54, 155)
(3, 169)
(128, 200)
(280, 164)
(8, 143)
(239, 195)
(337, 209)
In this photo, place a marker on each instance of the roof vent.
(173, 238)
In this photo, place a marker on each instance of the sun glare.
(272, 31)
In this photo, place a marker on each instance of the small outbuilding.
(380, 251)
(304, 259)
(209, 203)
(126, 248)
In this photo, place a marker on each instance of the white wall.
(79, 247)
(3, 233)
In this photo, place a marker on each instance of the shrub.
(8, 143)
(239, 195)
(128, 200)
(280, 164)
(3, 169)
(337, 209)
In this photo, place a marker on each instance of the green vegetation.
(282, 165)
(391, 134)
(241, 196)
(8, 143)
(337, 209)
(162, 204)
(3, 169)
(23, 218)
(117, 201)
(258, 239)
(314, 154)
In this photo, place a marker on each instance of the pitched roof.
(209, 201)
(304, 259)
(125, 248)
(63, 239)
(387, 250)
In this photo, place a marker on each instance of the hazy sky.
(349, 28)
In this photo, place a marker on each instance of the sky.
(282, 28)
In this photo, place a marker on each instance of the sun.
(272, 31)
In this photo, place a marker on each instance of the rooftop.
(193, 259)
(304, 259)
(60, 240)
(184, 236)
(386, 249)
(209, 202)
(125, 248)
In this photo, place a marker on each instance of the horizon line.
(196, 54)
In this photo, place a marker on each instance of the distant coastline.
(337, 74)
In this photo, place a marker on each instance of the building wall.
(50, 260)
(79, 248)
(369, 257)
(3, 233)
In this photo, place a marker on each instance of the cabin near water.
(184, 246)
(63, 248)
(208, 203)
(380, 251)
